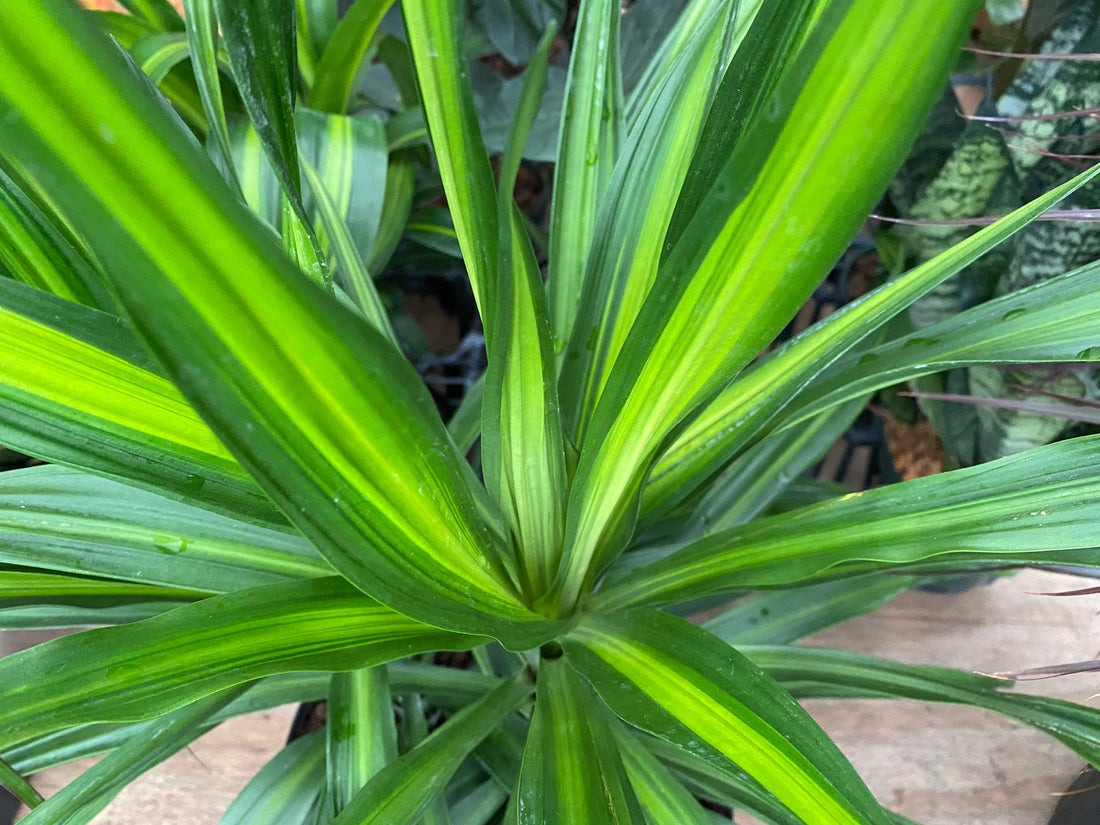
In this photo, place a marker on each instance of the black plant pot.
(1081, 803)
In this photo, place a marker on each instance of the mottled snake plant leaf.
(339, 431)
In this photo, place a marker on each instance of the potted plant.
(251, 481)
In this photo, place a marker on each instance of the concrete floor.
(937, 764)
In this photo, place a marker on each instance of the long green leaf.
(446, 687)
(360, 284)
(350, 153)
(334, 79)
(404, 790)
(665, 800)
(572, 770)
(79, 801)
(1053, 321)
(434, 30)
(523, 449)
(740, 412)
(587, 148)
(760, 474)
(785, 616)
(670, 678)
(202, 40)
(76, 388)
(820, 672)
(750, 258)
(136, 671)
(18, 786)
(33, 251)
(342, 434)
(764, 51)
(1046, 498)
(18, 588)
(629, 231)
(260, 40)
(360, 731)
(726, 784)
(285, 790)
(58, 519)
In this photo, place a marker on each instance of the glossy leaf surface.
(135, 671)
(666, 676)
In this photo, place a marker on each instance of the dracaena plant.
(249, 480)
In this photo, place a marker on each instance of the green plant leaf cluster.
(251, 491)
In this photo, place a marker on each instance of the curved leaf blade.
(670, 678)
(311, 399)
(285, 790)
(79, 801)
(665, 800)
(334, 77)
(572, 770)
(777, 234)
(739, 413)
(821, 672)
(361, 737)
(52, 518)
(523, 448)
(136, 671)
(1044, 499)
(434, 30)
(404, 790)
(76, 388)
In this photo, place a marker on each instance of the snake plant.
(248, 488)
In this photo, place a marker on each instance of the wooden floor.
(937, 764)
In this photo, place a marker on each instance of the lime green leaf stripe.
(54, 518)
(334, 78)
(81, 401)
(665, 675)
(404, 790)
(739, 413)
(347, 441)
(136, 671)
(434, 29)
(572, 770)
(1044, 498)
